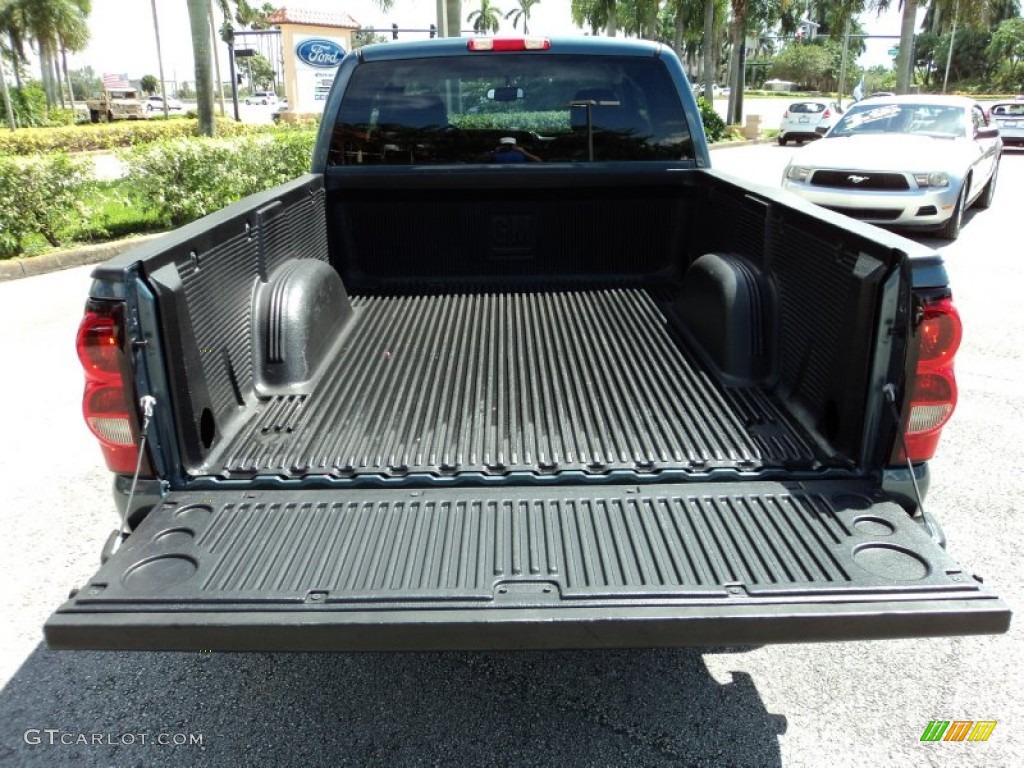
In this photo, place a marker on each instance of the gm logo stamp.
(958, 730)
(512, 236)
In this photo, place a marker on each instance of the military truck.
(116, 104)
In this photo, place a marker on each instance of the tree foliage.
(486, 18)
(1006, 51)
(806, 64)
(522, 13)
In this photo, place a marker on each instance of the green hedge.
(714, 125)
(79, 138)
(39, 196)
(184, 179)
(52, 199)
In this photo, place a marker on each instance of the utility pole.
(842, 65)
(159, 61)
(952, 41)
(216, 61)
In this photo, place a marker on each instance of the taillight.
(106, 404)
(934, 395)
(826, 115)
(509, 44)
(785, 114)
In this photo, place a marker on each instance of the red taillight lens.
(940, 333)
(934, 396)
(785, 114)
(826, 115)
(98, 346)
(106, 402)
(509, 44)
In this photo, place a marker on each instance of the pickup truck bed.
(498, 382)
(604, 397)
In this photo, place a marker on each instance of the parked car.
(806, 120)
(261, 97)
(904, 161)
(1009, 117)
(155, 103)
(716, 89)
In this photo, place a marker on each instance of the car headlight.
(797, 173)
(936, 179)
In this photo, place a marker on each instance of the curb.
(743, 143)
(15, 269)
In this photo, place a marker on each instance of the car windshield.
(509, 108)
(941, 120)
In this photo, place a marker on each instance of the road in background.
(840, 704)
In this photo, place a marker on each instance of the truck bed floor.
(492, 383)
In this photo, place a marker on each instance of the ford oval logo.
(320, 53)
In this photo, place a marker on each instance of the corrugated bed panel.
(604, 545)
(811, 272)
(493, 383)
(218, 285)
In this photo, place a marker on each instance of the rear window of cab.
(807, 107)
(512, 107)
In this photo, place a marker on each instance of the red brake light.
(106, 403)
(509, 44)
(935, 394)
(827, 114)
(940, 333)
(98, 346)
(785, 114)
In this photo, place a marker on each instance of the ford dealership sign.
(320, 53)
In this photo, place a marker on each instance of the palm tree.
(598, 14)
(486, 18)
(522, 13)
(709, 44)
(199, 21)
(56, 26)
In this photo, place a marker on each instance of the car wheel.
(951, 229)
(989, 193)
(782, 141)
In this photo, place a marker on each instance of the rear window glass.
(807, 106)
(1008, 110)
(510, 108)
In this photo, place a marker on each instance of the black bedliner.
(525, 568)
(501, 382)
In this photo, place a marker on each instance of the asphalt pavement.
(837, 704)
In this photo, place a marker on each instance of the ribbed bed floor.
(492, 383)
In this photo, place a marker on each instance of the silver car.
(1009, 116)
(903, 161)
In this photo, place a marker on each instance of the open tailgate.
(539, 567)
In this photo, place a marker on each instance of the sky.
(123, 40)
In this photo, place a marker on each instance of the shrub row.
(39, 196)
(184, 179)
(79, 138)
(171, 182)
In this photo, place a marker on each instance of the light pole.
(159, 62)
(952, 40)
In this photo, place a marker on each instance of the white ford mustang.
(903, 161)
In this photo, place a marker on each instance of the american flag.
(112, 82)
